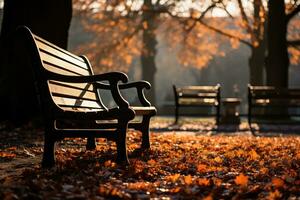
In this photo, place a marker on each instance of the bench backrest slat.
(75, 103)
(49, 47)
(66, 95)
(61, 63)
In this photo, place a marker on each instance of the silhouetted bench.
(272, 98)
(69, 91)
(197, 96)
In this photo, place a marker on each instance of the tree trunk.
(277, 59)
(149, 49)
(257, 58)
(49, 19)
(256, 65)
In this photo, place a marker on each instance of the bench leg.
(249, 115)
(145, 132)
(91, 144)
(176, 114)
(49, 152)
(121, 143)
(218, 115)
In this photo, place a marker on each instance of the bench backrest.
(49, 57)
(197, 91)
(269, 92)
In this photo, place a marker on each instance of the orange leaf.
(203, 181)
(274, 195)
(277, 182)
(218, 159)
(7, 155)
(201, 167)
(109, 163)
(217, 181)
(241, 180)
(253, 155)
(188, 179)
(209, 197)
(151, 162)
(173, 178)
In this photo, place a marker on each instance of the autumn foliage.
(178, 166)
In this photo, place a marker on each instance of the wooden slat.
(201, 88)
(57, 53)
(75, 103)
(143, 110)
(59, 70)
(78, 93)
(63, 64)
(82, 86)
(205, 101)
(198, 95)
(276, 96)
(41, 41)
(80, 109)
(276, 102)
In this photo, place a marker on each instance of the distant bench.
(68, 91)
(262, 97)
(197, 96)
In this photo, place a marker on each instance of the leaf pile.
(178, 166)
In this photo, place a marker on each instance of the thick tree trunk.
(256, 65)
(149, 50)
(257, 58)
(277, 60)
(49, 19)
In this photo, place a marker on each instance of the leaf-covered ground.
(180, 165)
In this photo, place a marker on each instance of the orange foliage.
(178, 166)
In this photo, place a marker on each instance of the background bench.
(197, 96)
(271, 102)
(70, 100)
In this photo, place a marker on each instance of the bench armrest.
(139, 85)
(112, 77)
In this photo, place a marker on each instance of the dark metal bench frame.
(38, 50)
(267, 96)
(198, 92)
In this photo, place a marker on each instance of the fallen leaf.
(173, 178)
(241, 180)
(201, 168)
(188, 179)
(277, 182)
(274, 195)
(203, 181)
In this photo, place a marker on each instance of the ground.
(188, 161)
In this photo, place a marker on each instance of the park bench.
(271, 102)
(197, 96)
(68, 91)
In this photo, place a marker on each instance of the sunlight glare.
(230, 7)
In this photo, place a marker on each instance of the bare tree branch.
(245, 19)
(222, 32)
(226, 34)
